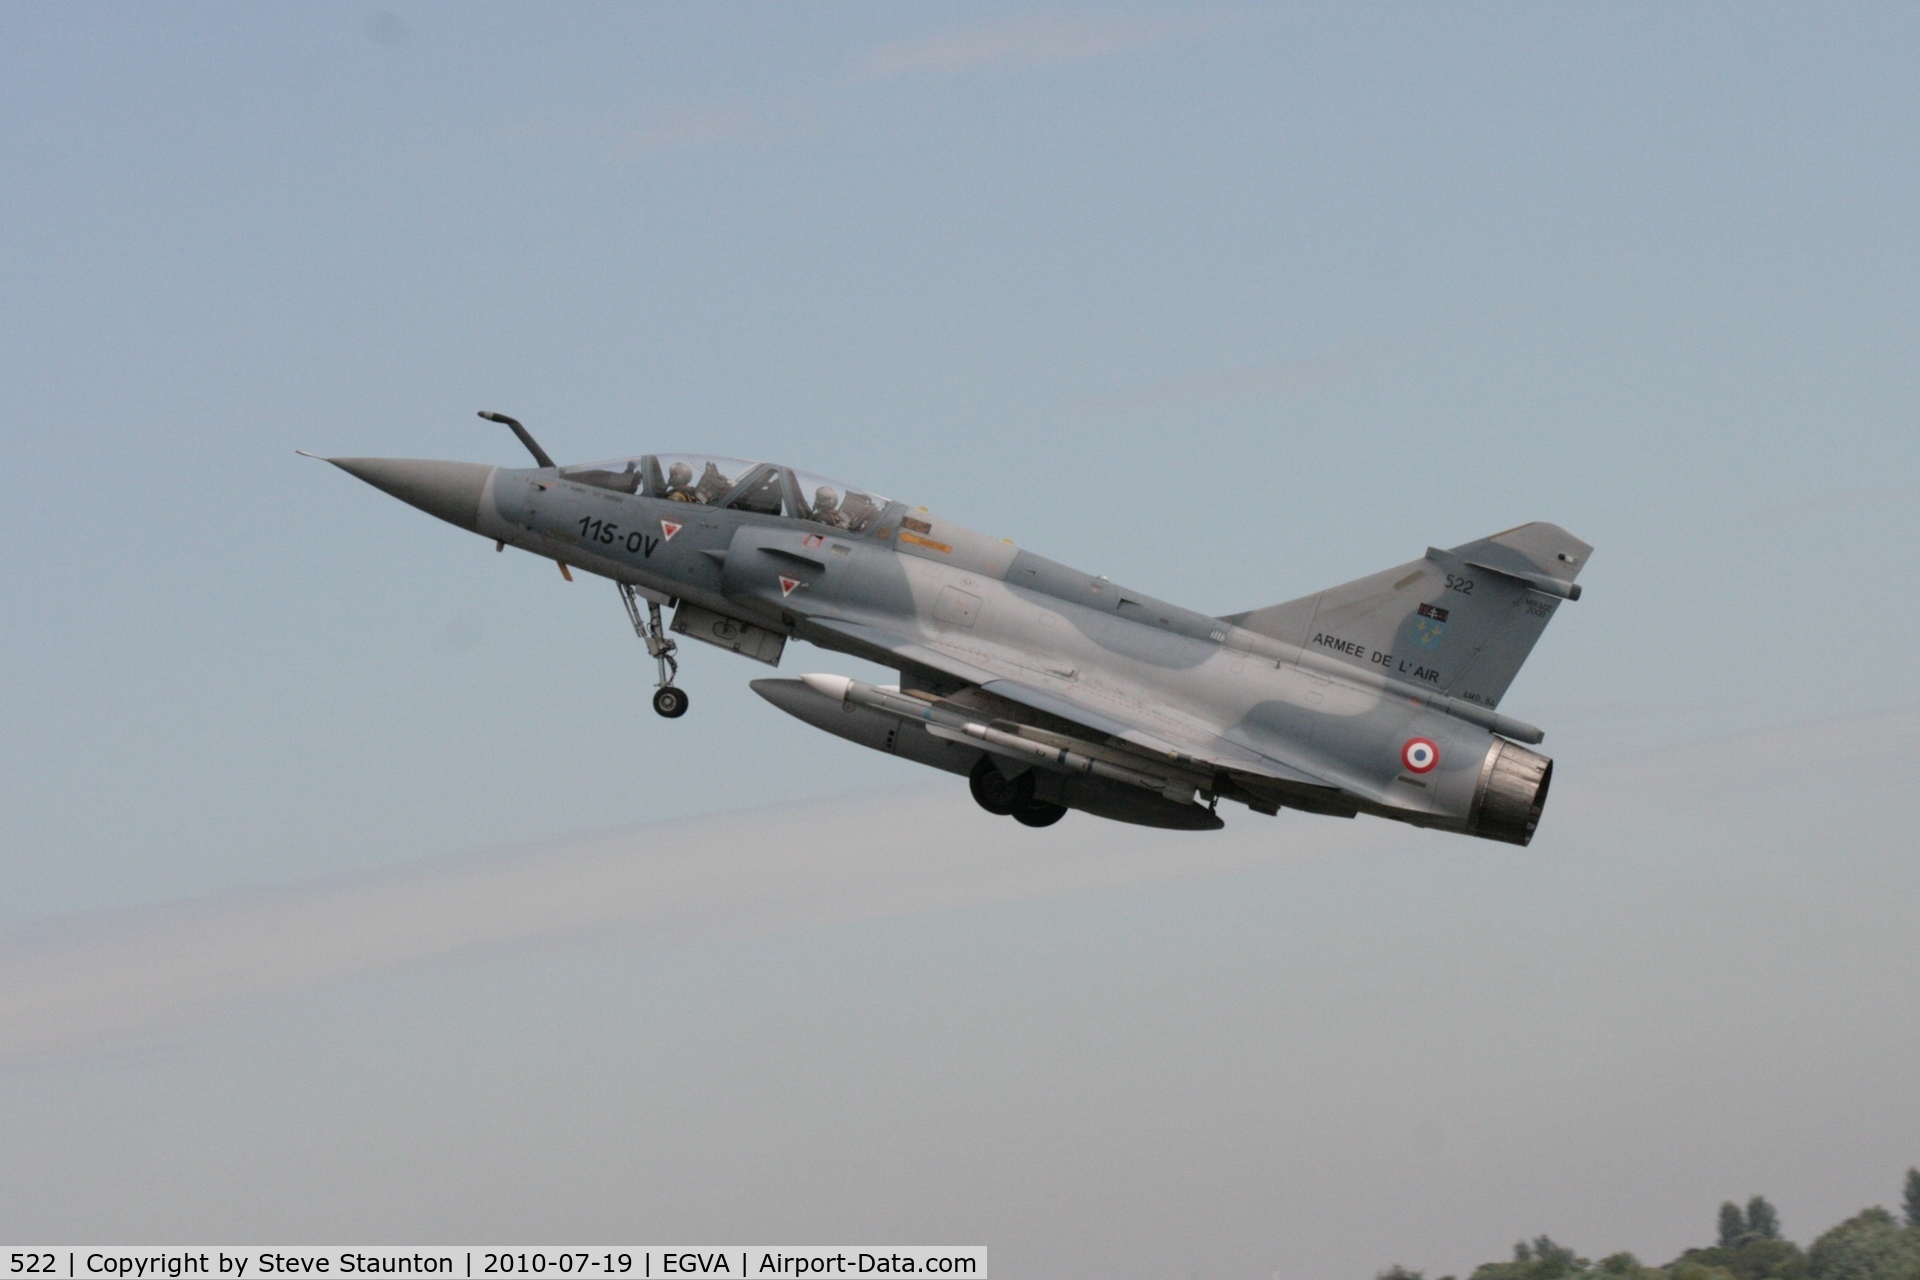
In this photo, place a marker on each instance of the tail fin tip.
(1461, 621)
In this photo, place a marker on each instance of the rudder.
(1460, 622)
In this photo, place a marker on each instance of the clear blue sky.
(1228, 303)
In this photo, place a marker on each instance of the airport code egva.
(619, 1262)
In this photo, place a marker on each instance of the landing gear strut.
(667, 700)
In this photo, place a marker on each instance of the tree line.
(1871, 1245)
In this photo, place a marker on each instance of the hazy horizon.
(1480, 1036)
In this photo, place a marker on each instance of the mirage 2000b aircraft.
(1048, 688)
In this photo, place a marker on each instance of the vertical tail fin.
(1460, 622)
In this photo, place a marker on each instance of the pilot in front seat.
(826, 508)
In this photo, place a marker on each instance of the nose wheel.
(668, 701)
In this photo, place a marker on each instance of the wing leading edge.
(1063, 700)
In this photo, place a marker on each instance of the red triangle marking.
(669, 528)
(788, 584)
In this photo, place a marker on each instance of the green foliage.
(1868, 1246)
(1756, 1257)
(1871, 1245)
(1692, 1269)
(1760, 1221)
(1540, 1259)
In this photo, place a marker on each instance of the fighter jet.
(1048, 688)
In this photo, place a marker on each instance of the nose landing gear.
(669, 701)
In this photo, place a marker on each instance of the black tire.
(1039, 813)
(997, 793)
(670, 702)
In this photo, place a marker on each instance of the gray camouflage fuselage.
(1376, 697)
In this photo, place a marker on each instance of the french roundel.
(1419, 755)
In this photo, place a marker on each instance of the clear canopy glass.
(699, 478)
(625, 475)
(834, 504)
(705, 480)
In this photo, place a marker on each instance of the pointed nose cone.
(450, 490)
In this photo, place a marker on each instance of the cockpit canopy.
(735, 483)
